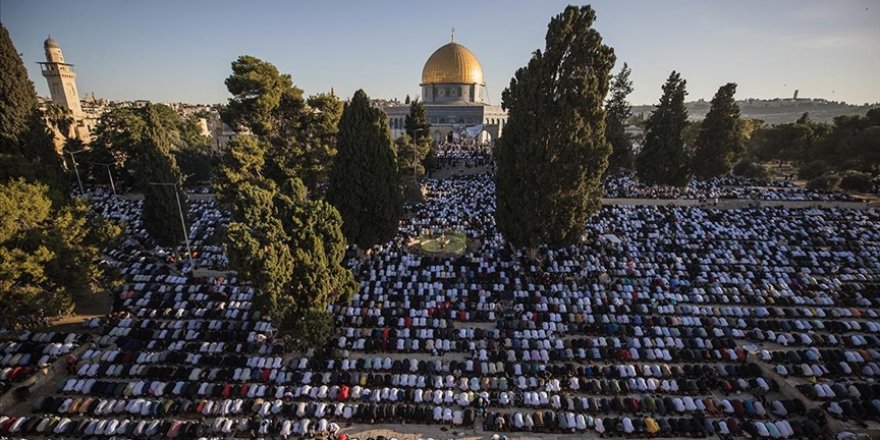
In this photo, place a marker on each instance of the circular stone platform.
(450, 243)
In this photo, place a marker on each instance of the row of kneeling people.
(289, 404)
(60, 427)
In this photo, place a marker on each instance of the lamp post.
(109, 174)
(76, 170)
(182, 221)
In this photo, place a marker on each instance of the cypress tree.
(720, 140)
(364, 183)
(18, 100)
(617, 111)
(408, 157)
(154, 163)
(419, 131)
(27, 148)
(161, 215)
(553, 151)
(663, 159)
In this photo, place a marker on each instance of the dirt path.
(93, 305)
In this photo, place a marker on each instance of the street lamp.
(182, 221)
(109, 174)
(76, 170)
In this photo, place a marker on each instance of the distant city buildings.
(773, 111)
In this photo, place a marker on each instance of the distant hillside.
(775, 111)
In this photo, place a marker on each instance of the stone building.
(62, 86)
(455, 98)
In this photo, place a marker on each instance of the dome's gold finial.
(452, 39)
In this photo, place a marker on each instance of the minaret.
(61, 78)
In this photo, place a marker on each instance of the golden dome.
(452, 64)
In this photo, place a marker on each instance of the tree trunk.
(532, 253)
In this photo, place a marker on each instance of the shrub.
(852, 180)
(813, 170)
(825, 182)
(315, 328)
(750, 169)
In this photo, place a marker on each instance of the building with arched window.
(455, 98)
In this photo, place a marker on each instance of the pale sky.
(166, 50)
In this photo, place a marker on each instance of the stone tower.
(62, 87)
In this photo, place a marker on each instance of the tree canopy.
(289, 246)
(418, 129)
(27, 149)
(553, 152)
(263, 99)
(18, 99)
(123, 135)
(663, 159)
(617, 112)
(720, 141)
(49, 256)
(364, 181)
(301, 133)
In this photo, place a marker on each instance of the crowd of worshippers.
(455, 155)
(627, 185)
(26, 353)
(642, 335)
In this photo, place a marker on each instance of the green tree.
(553, 152)
(162, 179)
(419, 131)
(59, 118)
(663, 159)
(292, 253)
(18, 100)
(313, 158)
(408, 157)
(788, 142)
(364, 183)
(155, 172)
(302, 134)
(262, 98)
(852, 142)
(617, 112)
(27, 149)
(289, 246)
(198, 163)
(317, 244)
(48, 256)
(326, 112)
(123, 135)
(720, 142)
